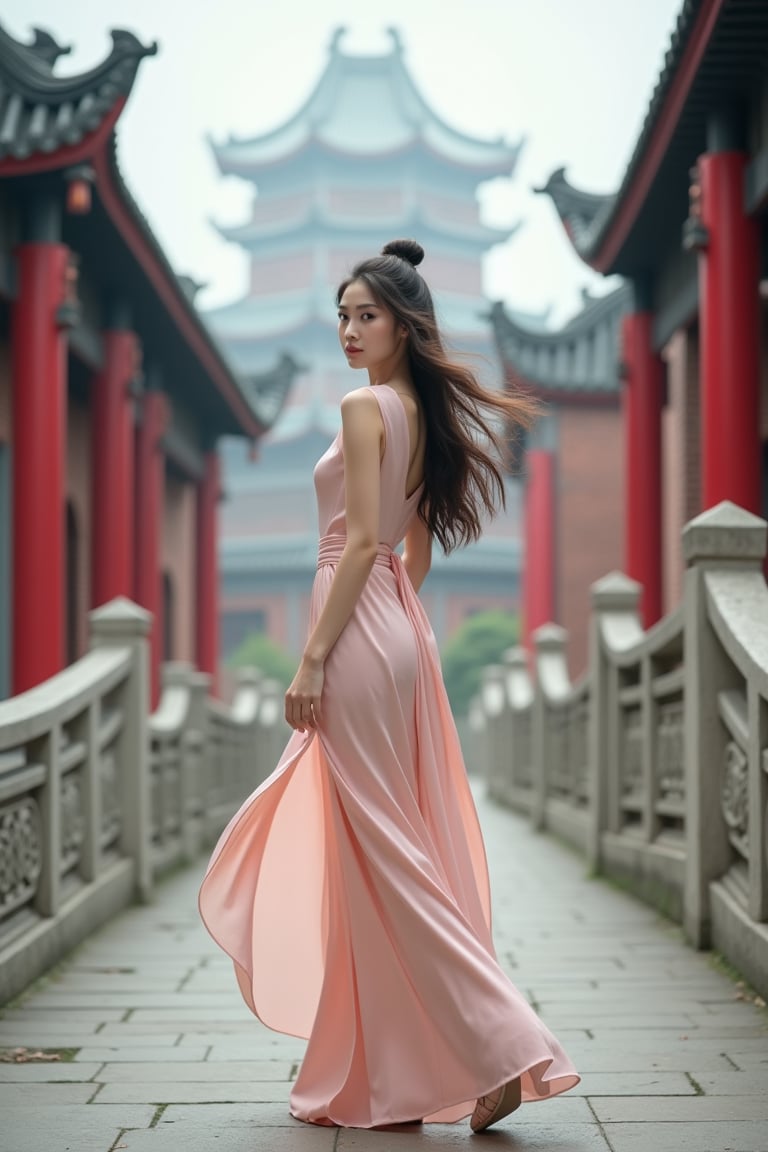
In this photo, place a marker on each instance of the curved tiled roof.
(716, 55)
(44, 121)
(313, 216)
(40, 112)
(336, 117)
(579, 360)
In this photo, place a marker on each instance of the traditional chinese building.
(113, 394)
(571, 460)
(686, 229)
(362, 161)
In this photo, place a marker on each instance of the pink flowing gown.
(351, 888)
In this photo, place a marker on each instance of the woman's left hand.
(303, 704)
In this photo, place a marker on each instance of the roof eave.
(603, 248)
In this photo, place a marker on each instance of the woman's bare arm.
(363, 432)
(417, 555)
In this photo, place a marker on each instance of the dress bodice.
(396, 509)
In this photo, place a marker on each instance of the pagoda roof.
(577, 363)
(51, 124)
(716, 55)
(268, 317)
(366, 106)
(418, 221)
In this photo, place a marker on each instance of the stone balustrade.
(655, 764)
(98, 796)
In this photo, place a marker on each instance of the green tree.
(257, 651)
(479, 641)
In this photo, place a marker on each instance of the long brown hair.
(463, 469)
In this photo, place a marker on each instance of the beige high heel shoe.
(496, 1105)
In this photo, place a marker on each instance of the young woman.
(351, 888)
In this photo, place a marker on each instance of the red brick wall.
(589, 510)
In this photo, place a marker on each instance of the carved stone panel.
(21, 853)
(72, 821)
(111, 821)
(670, 765)
(734, 797)
(631, 782)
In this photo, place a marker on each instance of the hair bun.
(409, 250)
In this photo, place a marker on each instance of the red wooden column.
(207, 606)
(729, 335)
(113, 468)
(148, 523)
(39, 383)
(642, 402)
(539, 571)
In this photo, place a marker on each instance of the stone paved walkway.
(164, 1057)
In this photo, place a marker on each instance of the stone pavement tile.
(184, 1138)
(231, 1072)
(47, 1071)
(506, 1135)
(663, 1039)
(41, 1036)
(744, 1060)
(189, 1091)
(123, 1036)
(34, 1013)
(272, 1115)
(47, 1095)
(733, 1083)
(692, 1109)
(717, 1136)
(144, 1055)
(226, 1053)
(193, 1015)
(618, 1022)
(68, 1128)
(635, 1084)
(628, 1060)
(63, 998)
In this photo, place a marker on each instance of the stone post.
(122, 624)
(615, 604)
(194, 751)
(723, 537)
(551, 678)
(493, 695)
(519, 699)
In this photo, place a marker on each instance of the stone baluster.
(122, 624)
(493, 695)
(551, 681)
(615, 608)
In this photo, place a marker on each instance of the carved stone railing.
(98, 796)
(655, 764)
(245, 744)
(73, 798)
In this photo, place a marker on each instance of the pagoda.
(363, 160)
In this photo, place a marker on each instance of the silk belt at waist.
(331, 548)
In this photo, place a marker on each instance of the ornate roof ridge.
(41, 112)
(316, 110)
(28, 67)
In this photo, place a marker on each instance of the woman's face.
(369, 334)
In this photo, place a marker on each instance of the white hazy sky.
(572, 76)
